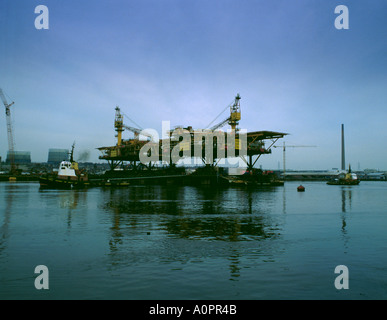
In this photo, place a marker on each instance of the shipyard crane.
(284, 152)
(233, 119)
(120, 127)
(11, 144)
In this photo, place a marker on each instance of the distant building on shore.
(19, 157)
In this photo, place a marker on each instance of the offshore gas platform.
(126, 158)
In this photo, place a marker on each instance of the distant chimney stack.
(342, 148)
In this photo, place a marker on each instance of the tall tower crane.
(284, 152)
(11, 144)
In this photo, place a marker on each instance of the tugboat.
(69, 176)
(345, 179)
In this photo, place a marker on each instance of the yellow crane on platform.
(120, 127)
(233, 119)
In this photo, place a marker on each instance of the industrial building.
(55, 156)
(18, 157)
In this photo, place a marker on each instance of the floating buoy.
(300, 188)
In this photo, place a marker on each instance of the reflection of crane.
(233, 119)
(11, 145)
(284, 151)
(120, 126)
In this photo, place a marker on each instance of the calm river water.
(154, 242)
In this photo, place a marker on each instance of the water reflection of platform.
(195, 213)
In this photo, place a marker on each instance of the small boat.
(345, 179)
(69, 176)
(300, 188)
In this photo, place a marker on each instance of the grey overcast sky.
(185, 60)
